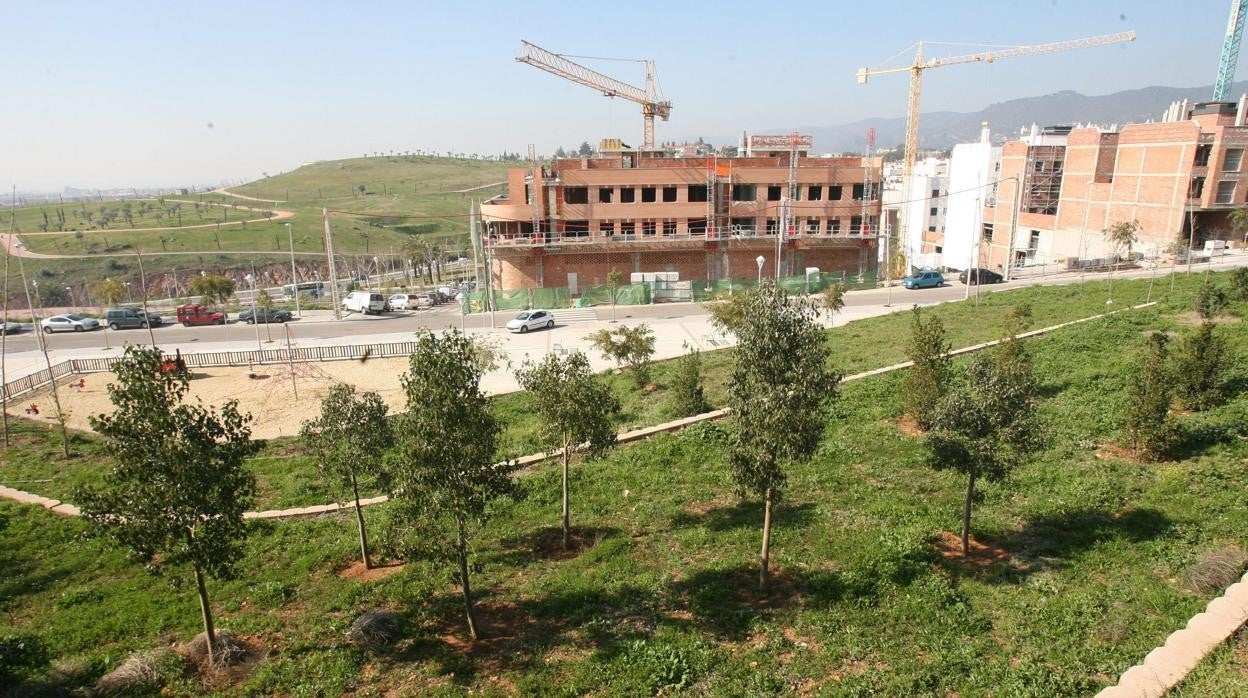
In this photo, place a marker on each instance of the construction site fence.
(215, 359)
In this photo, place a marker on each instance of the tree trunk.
(462, 549)
(359, 520)
(567, 456)
(210, 634)
(765, 555)
(966, 516)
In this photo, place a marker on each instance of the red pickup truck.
(192, 314)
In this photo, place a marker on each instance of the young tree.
(264, 301)
(614, 277)
(688, 397)
(111, 291)
(445, 477)
(627, 346)
(779, 392)
(1148, 430)
(1239, 222)
(349, 440)
(928, 378)
(1200, 365)
(575, 409)
(212, 288)
(1121, 236)
(727, 314)
(833, 301)
(987, 424)
(178, 489)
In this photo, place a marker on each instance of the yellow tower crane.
(557, 64)
(916, 87)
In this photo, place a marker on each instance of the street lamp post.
(129, 298)
(69, 290)
(294, 280)
(760, 260)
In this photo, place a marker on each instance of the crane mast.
(647, 97)
(1230, 51)
(919, 65)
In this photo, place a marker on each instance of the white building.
(973, 174)
(924, 213)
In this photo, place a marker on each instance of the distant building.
(1180, 178)
(702, 217)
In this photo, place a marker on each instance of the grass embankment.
(1092, 556)
(287, 479)
(402, 197)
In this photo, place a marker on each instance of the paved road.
(320, 325)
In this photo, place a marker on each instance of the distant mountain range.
(943, 129)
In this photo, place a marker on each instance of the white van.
(364, 302)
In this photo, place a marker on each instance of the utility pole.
(147, 320)
(294, 280)
(329, 254)
(43, 347)
(4, 335)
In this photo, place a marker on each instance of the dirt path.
(226, 192)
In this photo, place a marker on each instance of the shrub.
(627, 346)
(926, 381)
(1199, 366)
(1148, 430)
(1210, 300)
(1239, 283)
(376, 629)
(688, 397)
(1215, 570)
(19, 653)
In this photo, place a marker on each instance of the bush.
(1210, 300)
(1215, 571)
(627, 346)
(1148, 430)
(1239, 283)
(688, 397)
(376, 629)
(926, 381)
(20, 653)
(1199, 366)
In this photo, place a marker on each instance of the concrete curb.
(1166, 666)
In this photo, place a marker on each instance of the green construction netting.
(632, 294)
(550, 297)
(513, 299)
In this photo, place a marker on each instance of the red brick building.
(570, 222)
(1171, 176)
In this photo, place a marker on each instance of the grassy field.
(93, 218)
(1091, 556)
(402, 197)
(287, 480)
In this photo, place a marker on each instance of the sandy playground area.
(269, 397)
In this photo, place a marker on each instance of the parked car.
(401, 301)
(924, 279)
(531, 320)
(365, 302)
(424, 301)
(194, 314)
(261, 315)
(981, 276)
(69, 323)
(10, 328)
(129, 318)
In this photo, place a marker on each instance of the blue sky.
(122, 94)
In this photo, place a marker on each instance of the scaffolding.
(1042, 185)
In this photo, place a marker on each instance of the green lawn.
(662, 599)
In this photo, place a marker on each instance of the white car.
(69, 323)
(401, 301)
(531, 320)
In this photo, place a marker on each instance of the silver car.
(69, 323)
(531, 320)
(10, 328)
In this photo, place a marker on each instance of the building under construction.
(704, 220)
